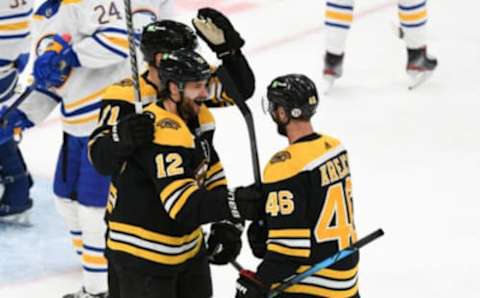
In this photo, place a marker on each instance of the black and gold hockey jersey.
(309, 216)
(163, 194)
(160, 196)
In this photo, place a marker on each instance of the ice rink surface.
(415, 155)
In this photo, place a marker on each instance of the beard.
(282, 129)
(188, 109)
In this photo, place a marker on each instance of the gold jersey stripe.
(82, 120)
(221, 182)
(333, 273)
(182, 200)
(322, 292)
(97, 260)
(173, 187)
(411, 17)
(87, 99)
(334, 15)
(290, 233)
(15, 26)
(153, 236)
(294, 252)
(153, 256)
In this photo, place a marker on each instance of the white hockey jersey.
(99, 38)
(15, 40)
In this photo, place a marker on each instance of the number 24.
(105, 14)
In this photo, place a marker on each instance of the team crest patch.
(280, 157)
(168, 123)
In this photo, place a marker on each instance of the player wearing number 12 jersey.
(308, 207)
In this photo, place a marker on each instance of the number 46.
(338, 205)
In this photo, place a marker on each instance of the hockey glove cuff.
(257, 234)
(245, 202)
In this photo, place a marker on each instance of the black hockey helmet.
(166, 36)
(296, 93)
(183, 66)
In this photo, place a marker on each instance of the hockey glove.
(131, 132)
(52, 68)
(217, 31)
(224, 243)
(245, 202)
(257, 234)
(16, 120)
(250, 286)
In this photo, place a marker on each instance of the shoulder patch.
(168, 123)
(281, 156)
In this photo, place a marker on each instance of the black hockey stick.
(325, 263)
(15, 104)
(133, 56)
(247, 115)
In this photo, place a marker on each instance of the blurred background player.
(158, 39)
(413, 25)
(81, 48)
(15, 39)
(308, 203)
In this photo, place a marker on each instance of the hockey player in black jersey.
(154, 244)
(308, 203)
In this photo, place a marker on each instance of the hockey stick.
(325, 263)
(247, 115)
(133, 56)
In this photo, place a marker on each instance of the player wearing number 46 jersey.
(308, 203)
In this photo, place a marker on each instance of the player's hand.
(224, 242)
(246, 202)
(16, 120)
(133, 131)
(52, 68)
(250, 286)
(217, 31)
(257, 234)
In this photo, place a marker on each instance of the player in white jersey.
(413, 19)
(15, 182)
(81, 48)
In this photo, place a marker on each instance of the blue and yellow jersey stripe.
(15, 26)
(113, 39)
(339, 16)
(414, 15)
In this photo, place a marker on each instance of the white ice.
(414, 154)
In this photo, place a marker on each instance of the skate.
(420, 66)
(84, 294)
(14, 216)
(332, 70)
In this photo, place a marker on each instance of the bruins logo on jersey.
(280, 157)
(168, 123)
(124, 83)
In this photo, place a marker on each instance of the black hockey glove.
(257, 234)
(245, 203)
(217, 31)
(133, 131)
(250, 286)
(224, 242)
